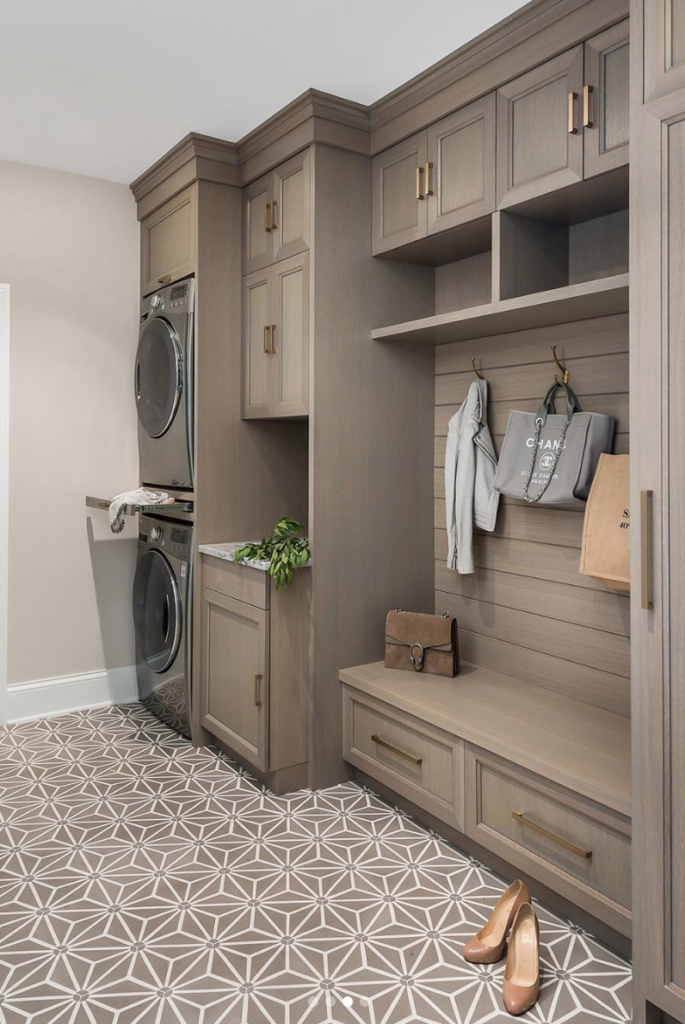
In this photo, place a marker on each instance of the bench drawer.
(422, 763)
(573, 845)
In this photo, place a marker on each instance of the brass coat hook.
(477, 372)
(565, 373)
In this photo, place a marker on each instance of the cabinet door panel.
(258, 242)
(664, 22)
(607, 73)
(291, 207)
(168, 242)
(290, 362)
(462, 150)
(235, 682)
(399, 204)
(256, 369)
(536, 151)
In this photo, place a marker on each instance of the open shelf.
(582, 301)
(584, 748)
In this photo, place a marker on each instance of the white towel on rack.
(141, 496)
(470, 464)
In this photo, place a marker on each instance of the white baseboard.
(44, 698)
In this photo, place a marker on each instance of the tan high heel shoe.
(521, 985)
(487, 946)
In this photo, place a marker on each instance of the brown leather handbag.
(422, 643)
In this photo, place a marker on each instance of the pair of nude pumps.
(513, 916)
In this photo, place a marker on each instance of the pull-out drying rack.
(132, 510)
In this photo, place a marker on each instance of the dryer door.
(157, 611)
(158, 376)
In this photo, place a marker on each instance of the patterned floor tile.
(145, 882)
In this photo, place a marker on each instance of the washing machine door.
(157, 611)
(158, 376)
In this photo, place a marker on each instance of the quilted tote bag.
(551, 459)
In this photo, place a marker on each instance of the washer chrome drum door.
(158, 376)
(157, 612)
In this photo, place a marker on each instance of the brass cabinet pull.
(273, 349)
(165, 279)
(267, 216)
(572, 97)
(419, 183)
(427, 168)
(257, 681)
(646, 550)
(533, 825)
(274, 205)
(267, 344)
(587, 92)
(396, 750)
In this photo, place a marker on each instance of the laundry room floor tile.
(143, 881)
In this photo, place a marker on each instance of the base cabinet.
(254, 669)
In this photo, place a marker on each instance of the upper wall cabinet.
(605, 104)
(276, 340)
(539, 144)
(664, 47)
(276, 214)
(437, 179)
(168, 242)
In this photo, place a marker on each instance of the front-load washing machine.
(162, 618)
(163, 386)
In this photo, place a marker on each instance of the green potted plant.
(283, 550)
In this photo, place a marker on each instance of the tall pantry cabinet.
(657, 326)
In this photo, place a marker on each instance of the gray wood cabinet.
(235, 676)
(276, 214)
(606, 100)
(437, 179)
(664, 48)
(400, 212)
(168, 242)
(657, 285)
(539, 140)
(460, 179)
(276, 340)
(254, 668)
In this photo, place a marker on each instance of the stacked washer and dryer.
(163, 584)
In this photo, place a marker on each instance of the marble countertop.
(227, 552)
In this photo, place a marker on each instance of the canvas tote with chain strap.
(551, 459)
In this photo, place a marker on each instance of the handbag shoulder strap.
(547, 404)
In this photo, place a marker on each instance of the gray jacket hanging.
(470, 464)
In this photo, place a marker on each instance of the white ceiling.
(104, 87)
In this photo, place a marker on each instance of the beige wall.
(69, 251)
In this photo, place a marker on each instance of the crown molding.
(195, 158)
(539, 31)
(503, 52)
(312, 117)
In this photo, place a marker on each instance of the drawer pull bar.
(257, 681)
(522, 820)
(396, 750)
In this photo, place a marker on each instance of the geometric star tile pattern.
(143, 881)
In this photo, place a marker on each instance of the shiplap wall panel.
(607, 611)
(526, 611)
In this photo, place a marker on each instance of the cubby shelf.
(582, 301)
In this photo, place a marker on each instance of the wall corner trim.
(45, 698)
